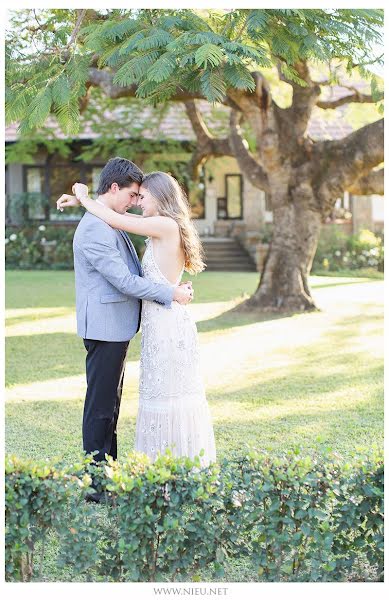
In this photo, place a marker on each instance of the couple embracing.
(115, 295)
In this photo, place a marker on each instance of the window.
(61, 179)
(35, 186)
(92, 177)
(268, 207)
(231, 206)
(43, 185)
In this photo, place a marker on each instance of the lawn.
(314, 380)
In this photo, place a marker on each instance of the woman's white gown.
(173, 410)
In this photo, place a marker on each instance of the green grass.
(366, 272)
(264, 388)
(313, 380)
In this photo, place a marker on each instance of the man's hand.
(67, 200)
(183, 293)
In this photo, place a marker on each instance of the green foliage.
(19, 204)
(202, 52)
(39, 247)
(297, 518)
(41, 497)
(26, 147)
(213, 86)
(337, 251)
(209, 53)
(45, 246)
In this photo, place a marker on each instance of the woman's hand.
(67, 200)
(80, 190)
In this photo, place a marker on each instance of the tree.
(185, 55)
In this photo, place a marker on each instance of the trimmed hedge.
(292, 517)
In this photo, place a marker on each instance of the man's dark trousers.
(105, 366)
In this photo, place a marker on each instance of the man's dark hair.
(121, 171)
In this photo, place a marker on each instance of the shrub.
(337, 251)
(292, 517)
(41, 497)
(45, 246)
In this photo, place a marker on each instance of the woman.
(173, 410)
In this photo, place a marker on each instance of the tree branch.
(104, 80)
(303, 100)
(355, 97)
(368, 61)
(340, 164)
(363, 148)
(80, 17)
(207, 145)
(250, 167)
(372, 183)
(241, 30)
(199, 127)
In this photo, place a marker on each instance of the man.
(109, 290)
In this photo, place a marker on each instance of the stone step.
(228, 263)
(246, 269)
(227, 255)
(226, 251)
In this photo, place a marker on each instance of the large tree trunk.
(284, 284)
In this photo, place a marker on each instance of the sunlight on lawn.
(292, 378)
(33, 321)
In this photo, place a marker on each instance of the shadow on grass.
(302, 385)
(337, 283)
(330, 366)
(234, 318)
(343, 432)
(31, 318)
(33, 358)
(328, 393)
(35, 289)
(52, 428)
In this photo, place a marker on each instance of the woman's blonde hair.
(172, 202)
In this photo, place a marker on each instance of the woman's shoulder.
(170, 223)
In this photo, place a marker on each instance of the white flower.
(13, 237)
(6, 240)
(43, 240)
(42, 228)
(337, 252)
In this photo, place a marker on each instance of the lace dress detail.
(173, 410)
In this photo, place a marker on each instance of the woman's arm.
(132, 216)
(150, 226)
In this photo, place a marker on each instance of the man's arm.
(101, 252)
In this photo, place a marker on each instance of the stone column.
(362, 213)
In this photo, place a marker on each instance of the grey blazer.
(109, 283)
